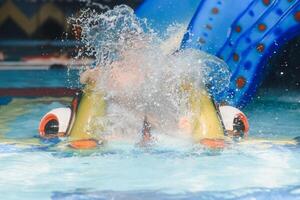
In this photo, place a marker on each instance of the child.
(124, 81)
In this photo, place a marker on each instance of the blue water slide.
(162, 13)
(245, 34)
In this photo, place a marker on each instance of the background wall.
(37, 27)
(45, 19)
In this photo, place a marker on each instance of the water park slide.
(244, 34)
(162, 13)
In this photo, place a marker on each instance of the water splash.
(105, 35)
(97, 4)
(138, 75)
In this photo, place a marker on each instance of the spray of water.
(138, 75)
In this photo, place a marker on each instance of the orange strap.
(213, 143)
(84, 144)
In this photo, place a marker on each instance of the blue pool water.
(171, 169)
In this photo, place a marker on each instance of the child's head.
(127, 73)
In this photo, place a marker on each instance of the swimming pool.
(171, 169)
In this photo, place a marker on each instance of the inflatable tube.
(207, 127)
(83, 125)
(244, 35)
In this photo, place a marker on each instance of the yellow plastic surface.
(91, 108)
(206, 123)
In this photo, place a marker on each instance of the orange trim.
(84, 144)
(43, 123)
(245, 121)
(74, 104)
(213, 143)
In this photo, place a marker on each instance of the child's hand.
(184, 124)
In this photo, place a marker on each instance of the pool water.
(170, 169)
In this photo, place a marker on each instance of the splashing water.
(106, 35)
(139, 77)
